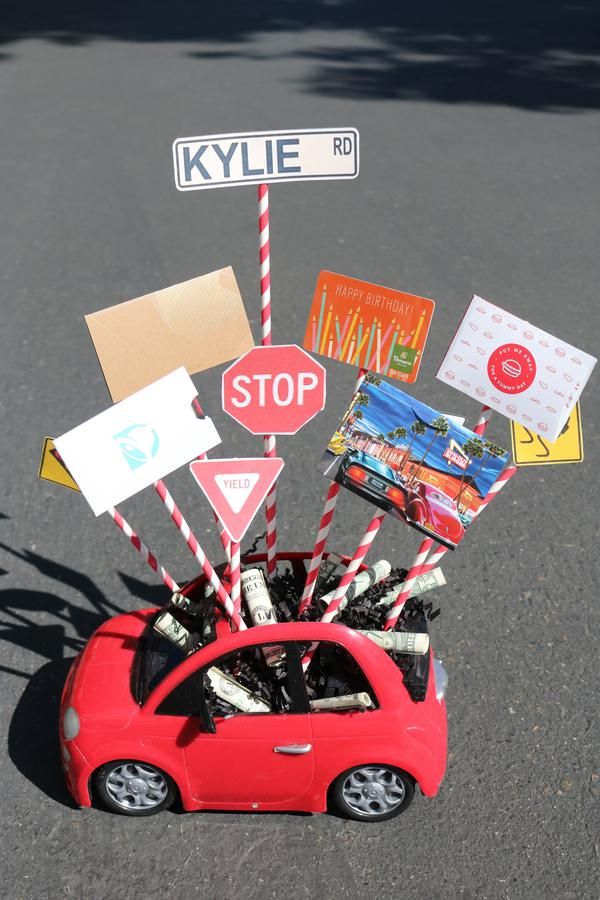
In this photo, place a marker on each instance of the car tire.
(130, 787)
(371, 793)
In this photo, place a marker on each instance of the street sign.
(52, 467)
(236, 488)
(261, 157)
(530, 449)
(274, 390)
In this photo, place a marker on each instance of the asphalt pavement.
(480, 173)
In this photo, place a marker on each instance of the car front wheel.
(372, 793)
(134, 788)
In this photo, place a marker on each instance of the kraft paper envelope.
(197, 324)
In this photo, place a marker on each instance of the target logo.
(511, 368)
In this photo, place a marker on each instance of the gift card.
(52, 467)
(370, 326)
(137, 441)
(530, 449)
(515, 368)
(412, 461)
(197, 324)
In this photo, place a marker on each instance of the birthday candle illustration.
(330, 345)
(359, 348)
(392, 345)
(323, 302)
(326, 329)
(338, 352)
(314, 334)
(358, 339)
(371, 337)
(387, 333)
(350, 352)
(350, 332)
(337, 334)
(378, 347)
(418, 331)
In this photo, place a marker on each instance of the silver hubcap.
(136, 786)
(373, 790)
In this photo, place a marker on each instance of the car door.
(261, 755)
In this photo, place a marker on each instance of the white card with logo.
(137, 441)
(516, 369)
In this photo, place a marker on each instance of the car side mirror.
(206, 723)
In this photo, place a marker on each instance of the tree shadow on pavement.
(542, 55)
(45, 624)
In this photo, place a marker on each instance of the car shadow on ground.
(44, 624)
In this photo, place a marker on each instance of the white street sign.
(261, 157)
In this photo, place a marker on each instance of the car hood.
(100, 688)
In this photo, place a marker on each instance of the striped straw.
(265, 302)
(235, 576)
(141, 548)
(420, 564)
(319, 548)
(198, 553)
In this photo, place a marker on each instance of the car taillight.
(395, 494)
(357, 473)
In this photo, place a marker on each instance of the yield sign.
(236, 488)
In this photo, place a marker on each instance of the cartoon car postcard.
(412, 461)
(368, 325)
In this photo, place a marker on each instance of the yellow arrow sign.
(530, 449)
(52, 468)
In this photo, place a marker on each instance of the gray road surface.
(480, 173)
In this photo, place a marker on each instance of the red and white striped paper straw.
(353, 566)
(319, 548)
(421, 565)
(199, 554)
(265, 315)
(236, 597)
(141, 548)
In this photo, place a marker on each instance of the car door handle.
(293, 749)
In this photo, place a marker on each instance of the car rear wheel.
(372, 793)
(134, 788)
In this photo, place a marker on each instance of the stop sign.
(274, 390)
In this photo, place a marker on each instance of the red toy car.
(141, 726)
(434, 513)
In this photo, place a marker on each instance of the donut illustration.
(481, 351)
(511, 408)
(551, 369)
(543, 385)
(496, 318)
(457, 357)
(559, 351)
(488, 335)
(473, 326)
(528, 335)
(542, 426)
(450, 375)
(551, 409)
(480, 392)
(543, 343)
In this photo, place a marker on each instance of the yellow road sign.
(52, 468)
(530, 449)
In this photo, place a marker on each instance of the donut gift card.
(516, 369)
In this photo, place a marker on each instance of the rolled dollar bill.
(399, 641)
(361, 583)
(261, 609)
(345, 701)
(423, 583)
(174, 631)
(234, 693)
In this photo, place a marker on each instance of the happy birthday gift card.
(368, 325)
(518, 370)
(197, 324)
(412, 461)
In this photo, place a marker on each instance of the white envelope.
(137, 441)
(513, 367)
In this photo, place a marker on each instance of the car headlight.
(70, 724)
(441, 678)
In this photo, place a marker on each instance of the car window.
(333, 672)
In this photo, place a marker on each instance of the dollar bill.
(423, 583)
(399, 641)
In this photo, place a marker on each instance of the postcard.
(412, 461)
(367, 325)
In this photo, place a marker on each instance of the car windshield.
(441, 498)
(377, 467)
